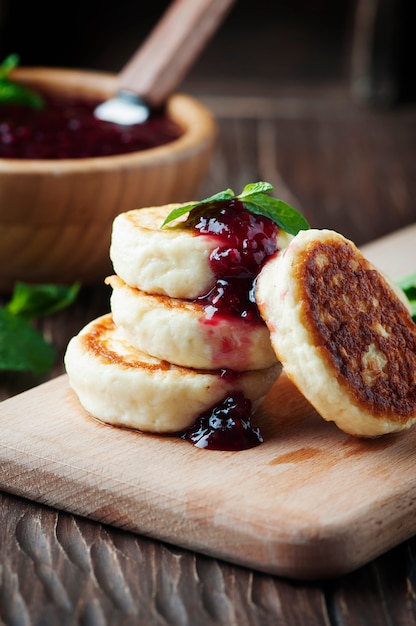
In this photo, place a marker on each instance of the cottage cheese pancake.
(174, 261)
(181, 332)
(123, 386)
(168, 261)
(343, 334)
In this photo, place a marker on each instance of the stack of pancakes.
(342, 331)
(157, 361)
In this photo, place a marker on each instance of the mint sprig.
(23, 348)
(256, 199)
(408, 285)
(14, 93)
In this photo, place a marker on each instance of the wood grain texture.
(344, 167)
(61, 569)
(90, 574)
(314, 502)
(171, 585)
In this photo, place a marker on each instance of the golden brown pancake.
(123, 386)
(181, 332)
(342, 332)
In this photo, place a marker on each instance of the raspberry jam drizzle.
(245, 241)
(66, 128)
(226, 426)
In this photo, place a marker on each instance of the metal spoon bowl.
(162, 61)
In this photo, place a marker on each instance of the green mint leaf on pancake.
(256, 199)
(253, 188)
(15, 93)
(228, 194)
(284, 215)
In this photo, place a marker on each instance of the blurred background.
(323, 91)
(261, 44)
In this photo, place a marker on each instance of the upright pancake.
(343, 333)
(123, 386)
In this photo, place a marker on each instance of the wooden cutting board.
(309, 502)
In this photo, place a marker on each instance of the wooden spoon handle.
(161, 62)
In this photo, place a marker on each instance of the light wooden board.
(309, 502)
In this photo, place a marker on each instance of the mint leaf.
(8, 65)
(32, 301)
(284, 215)
(14, 93)
(408, 285)
(228, 194)
(22, 347)
(256, 199)
(253, 188)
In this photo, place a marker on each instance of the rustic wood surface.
(345, 168)
(314, 503)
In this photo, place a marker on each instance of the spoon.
(161, 62)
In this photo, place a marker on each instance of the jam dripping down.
(245, 241)
(226, 426)
(66, 128)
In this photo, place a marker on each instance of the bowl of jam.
(65, 175)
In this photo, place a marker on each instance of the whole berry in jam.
(226, 426)
(245, 241)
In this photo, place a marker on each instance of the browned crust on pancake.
(95, 342)
(165, 301)
(364, 333)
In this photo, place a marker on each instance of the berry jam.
(226, 426)
(67, 129)
(245, 241)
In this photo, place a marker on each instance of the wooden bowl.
(56, 215)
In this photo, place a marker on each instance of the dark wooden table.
(346, 168)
